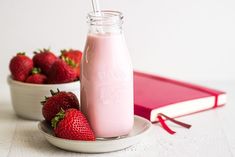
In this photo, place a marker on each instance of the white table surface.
(212, 134)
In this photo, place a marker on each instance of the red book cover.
(155, 94)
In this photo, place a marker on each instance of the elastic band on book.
(165, 126)
(216, 101)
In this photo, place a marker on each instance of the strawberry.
(73, 125)
(44, 60)
(75, 56)
(52, 105)
(62, 71)
(36, 77)
(20, 66)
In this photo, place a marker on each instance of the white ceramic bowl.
(26, 97)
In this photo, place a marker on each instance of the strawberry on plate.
(20, 66)
(44, 60)
(72, 124)
(36, 77)
(59, 100)
(75, 56)
(62, 71)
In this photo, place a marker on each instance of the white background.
(191, 40)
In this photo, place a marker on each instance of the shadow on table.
(7, 112)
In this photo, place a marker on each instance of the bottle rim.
(105, 18)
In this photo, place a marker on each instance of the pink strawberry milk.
(107, 77)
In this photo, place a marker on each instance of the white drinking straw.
(97, 11)
(96, 7)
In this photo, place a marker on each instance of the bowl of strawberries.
(32, 79)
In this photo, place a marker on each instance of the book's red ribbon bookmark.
(165, 126)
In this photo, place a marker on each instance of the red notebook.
(155, 94)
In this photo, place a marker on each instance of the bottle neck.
(106, 22)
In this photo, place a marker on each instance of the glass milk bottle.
(107, 77)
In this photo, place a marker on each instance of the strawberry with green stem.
(59, 100)
(62, 71)
(36, 77)
(44, 59)
(75, 56)
(72, 124)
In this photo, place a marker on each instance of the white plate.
(140, 129)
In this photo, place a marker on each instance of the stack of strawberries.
(61, 110)
(46, 68)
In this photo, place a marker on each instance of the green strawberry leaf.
(36, 71)
(57, 118)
